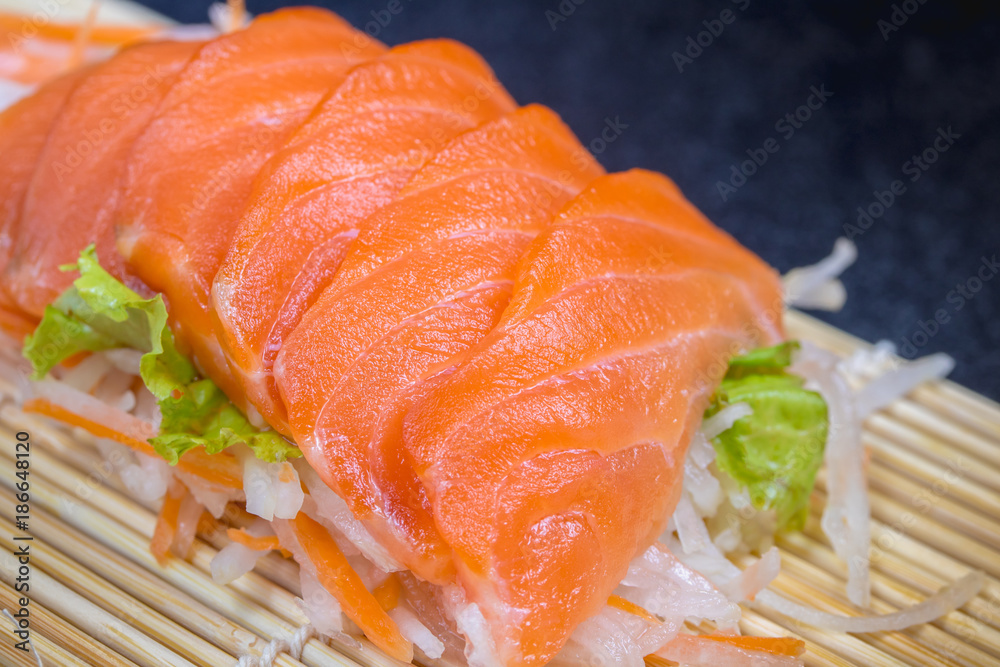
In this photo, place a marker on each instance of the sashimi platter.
(321, 351)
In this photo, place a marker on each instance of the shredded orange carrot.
(43, 406)
(21, 25)
(220, 469)
(773, 645)
(207, 525)
(287, 473)
(267, 543)
(76, 359)
(16, 324)
(621, 603)
(166, 522)
(388, 592)
(339, 578)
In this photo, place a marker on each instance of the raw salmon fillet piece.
(75, 188)
(190, 172)
(427, 277)
(352, 156)
(552, 455)
(24, 129)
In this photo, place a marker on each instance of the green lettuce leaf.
(776, 451)
(97, 312)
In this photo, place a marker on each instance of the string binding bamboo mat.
(99, 598)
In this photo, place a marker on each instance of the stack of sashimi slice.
(494, 354)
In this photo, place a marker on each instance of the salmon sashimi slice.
(76, 185)
(353, 154)
(190, 172)
(553, 453)
(24, 129)
(427, 277)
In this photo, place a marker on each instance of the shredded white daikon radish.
(847, 515)
(234, 560)
(145, 477)
(614, 637)
(896, 383)
(867, 362)
(738, 585)
(124, 359)
(319, 606)
(83, 404)
(412, 629)
(273, 490)
(660, 583)
(187, 525)
(817, 286)
(213, 497)
(480, 650)
(87, 374)
(724, 419)
(945, 600)
(222, 17)
(115, 390)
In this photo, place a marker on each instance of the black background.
(892, 91)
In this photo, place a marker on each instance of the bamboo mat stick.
(970, 492)
(960, 405)
(803, 327)
(946, 432)
(112, 599)
(920, 498)
(92, 619)
(54, 638)
(51, 653)
(980, 466)
(940, 422)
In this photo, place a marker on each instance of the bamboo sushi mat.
(99, 598)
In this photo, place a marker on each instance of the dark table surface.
(696, 88)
